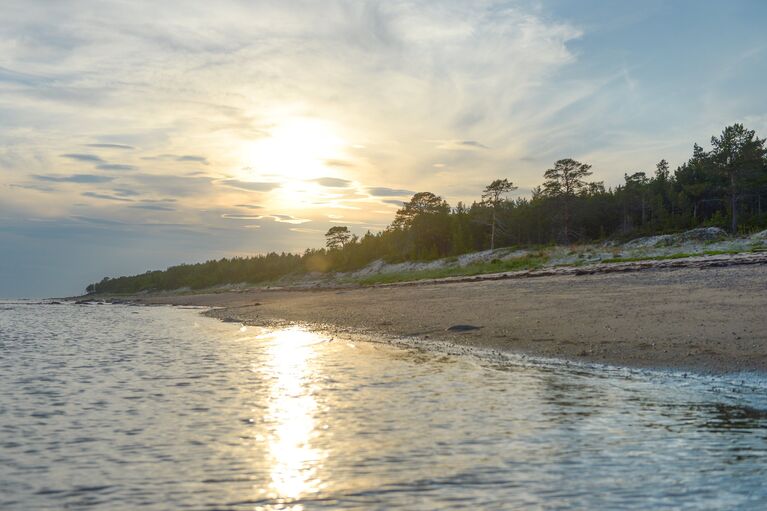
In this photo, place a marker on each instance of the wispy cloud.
(382, 191)
(104, 196)
(116, 166)
(28, 186)
(73, 178)
(231, 216)
(111, 146)
(125, 192)
(339, 163)
(89, 158)
(288, 219)
(251, 186)
(178, 158)
(460, 145)
(192, 158)
(154, 207)
(332, 182)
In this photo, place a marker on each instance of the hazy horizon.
(138, 135)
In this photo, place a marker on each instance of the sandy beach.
(709, 320)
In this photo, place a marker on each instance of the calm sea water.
(116, 407)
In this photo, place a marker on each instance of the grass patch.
(527, 262)
(722, 252)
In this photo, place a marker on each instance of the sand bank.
(710, 319)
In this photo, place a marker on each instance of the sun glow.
(295, 150)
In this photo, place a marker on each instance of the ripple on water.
(158, 408)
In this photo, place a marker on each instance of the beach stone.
(462, 328)
(701, 234)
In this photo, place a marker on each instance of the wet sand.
(708, 320)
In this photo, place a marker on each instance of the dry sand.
(709, 320)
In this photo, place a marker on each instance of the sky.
(137, 135)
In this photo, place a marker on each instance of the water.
(113, 407)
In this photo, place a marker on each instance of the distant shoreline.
(705, 315)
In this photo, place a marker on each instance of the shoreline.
(706, 318)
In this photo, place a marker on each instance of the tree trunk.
(492, 233)
(734, 200)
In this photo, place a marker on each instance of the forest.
(724, 186)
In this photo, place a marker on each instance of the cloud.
(306, 231)
(193, 158)
(98, 221)
(175, 157)
(116, 166)
(248, 206)
(103, 196)
(169, 184)
(111, 146)
(397, 203)
(89, 158)
(460, 145)
(158, 201)
(289, 219)
(125, 192)
(332, 182)
(251, 186)
(381, 191)
(231, 216)
(74, 178)
(153, 207)
(339, 163)
(37, 188)
(18, 78)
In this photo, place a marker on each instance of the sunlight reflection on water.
(126, 408)
(290, 414)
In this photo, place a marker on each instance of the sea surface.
(160, 408)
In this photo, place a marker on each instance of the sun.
(296, 150)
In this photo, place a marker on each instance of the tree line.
(725, 186)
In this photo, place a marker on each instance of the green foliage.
(726, 186)
(337, 237)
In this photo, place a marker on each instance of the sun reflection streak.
(291, 416)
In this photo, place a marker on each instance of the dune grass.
(527, 262)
